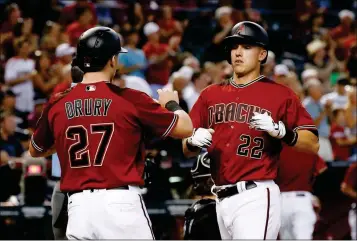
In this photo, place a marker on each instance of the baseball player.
(200, 218)
(59, 199)
(98, 130)
(296, 174)
(349, 188)
(250, 116)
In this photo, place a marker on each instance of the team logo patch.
(240, 29)
(90, 88)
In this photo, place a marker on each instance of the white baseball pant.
(297, 215)
(352, 221)
(108, 214)
(251, 214)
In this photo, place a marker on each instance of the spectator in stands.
(351, 114)
(317, 31)
(64, 53)
(36, 114)
(320, 114)
(343, 30)
(339, 96)
(47, 76)
(281, 73)
(19, 73)
(8, 104)
(304, 10)
(192, 62)
(169, 26)
(200, 80)
(352, 64)
(84, 22)
(223, 16)
(133, 63)
(268, 67)
(308, 74)
(10, 148)
(69, 13)
(317, 60)
(349, 188)
(66, 80)
(157, 53)
(12, 14)
(53, 35)
(341, 142)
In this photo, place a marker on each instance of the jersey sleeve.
(42, 139)
(199, 114)
(159, 120)
(320, 166)
(296, 117)
(351, 176)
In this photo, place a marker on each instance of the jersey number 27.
(78, 152)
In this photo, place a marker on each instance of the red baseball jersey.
(351, 176)
(99, 131)
(238, 152)
(341, 153)
(297, 170)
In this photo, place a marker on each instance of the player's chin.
(239, 70)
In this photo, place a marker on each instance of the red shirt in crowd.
(157, 73)
(340, 152)
(74, 31)
(351, 176)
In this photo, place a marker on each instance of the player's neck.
(242, 80)
(95, 77)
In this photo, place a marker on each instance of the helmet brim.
(237, 39)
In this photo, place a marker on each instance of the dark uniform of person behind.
(200, 218)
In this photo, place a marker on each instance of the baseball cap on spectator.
(346, 13)
(309, 73)
(151, 28)
(281, 69)
(311, 83)
(64, 49)
(315, 46)
(289, 63)
(222, 11)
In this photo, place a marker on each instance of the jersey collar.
(234, 84)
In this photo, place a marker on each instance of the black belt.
(233, 190)
(92, 190)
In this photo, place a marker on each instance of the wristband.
(172, 106)
(191, 148)
(290, 137)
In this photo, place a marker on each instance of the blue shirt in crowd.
(134, 57)
(315, 108)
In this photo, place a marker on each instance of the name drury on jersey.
(87, 107)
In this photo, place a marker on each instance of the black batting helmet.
(96, 46)
(246, 32)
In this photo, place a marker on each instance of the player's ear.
(263, 54)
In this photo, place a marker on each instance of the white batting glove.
(264, 122)
(201, 137)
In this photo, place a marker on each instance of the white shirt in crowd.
(137, 83)
(190, 95)
(338, 101)
(15, 68)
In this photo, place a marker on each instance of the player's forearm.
(184, 127)
(307, 142)
(189, 152)
(348, 191)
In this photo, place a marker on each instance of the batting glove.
(264, 122)
(201, 138)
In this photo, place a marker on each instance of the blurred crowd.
(175, 44)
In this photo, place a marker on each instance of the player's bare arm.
(169, 100)
(304, 140)
(348, 190)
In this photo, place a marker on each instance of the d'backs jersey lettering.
(99, 131)
(239, 152)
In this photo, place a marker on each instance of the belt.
(92, 190)
(233, 190)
